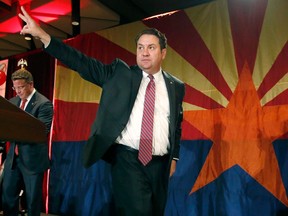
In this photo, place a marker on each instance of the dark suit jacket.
(120, 84)
(33, 156)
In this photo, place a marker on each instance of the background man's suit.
(33, 158)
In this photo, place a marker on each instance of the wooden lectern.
(18, 125)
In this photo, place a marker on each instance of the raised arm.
(33, 28)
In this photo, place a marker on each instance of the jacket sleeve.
(88, 68)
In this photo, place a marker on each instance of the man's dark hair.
(152, 31)
(22, 74)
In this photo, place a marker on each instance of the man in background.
(26, 162)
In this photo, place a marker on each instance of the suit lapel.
(170, 85)
(31, 103)
(135, 83)
(18, 102)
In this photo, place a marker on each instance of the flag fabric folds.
(232, 56)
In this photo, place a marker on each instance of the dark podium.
(18, 125)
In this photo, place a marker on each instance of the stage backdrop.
(233, 57)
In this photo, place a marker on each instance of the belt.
(121, 147)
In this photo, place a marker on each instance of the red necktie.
(23, 103)
(22, 107)
(146, 138)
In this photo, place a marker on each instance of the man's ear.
(163, 53)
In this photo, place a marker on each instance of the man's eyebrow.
(147, 45)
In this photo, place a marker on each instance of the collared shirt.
(130, 136)
(28, 98)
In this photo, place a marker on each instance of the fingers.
(27, 19)
(33, 28)
(25, 12)
(24, 16)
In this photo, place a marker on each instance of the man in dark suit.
(26, 163)
(139, 185)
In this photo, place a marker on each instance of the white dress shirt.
(130, 136)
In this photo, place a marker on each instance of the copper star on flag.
(242, 134)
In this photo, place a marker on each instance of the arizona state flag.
(234, 149)
(233, 57)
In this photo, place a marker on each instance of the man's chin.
(146, 69)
